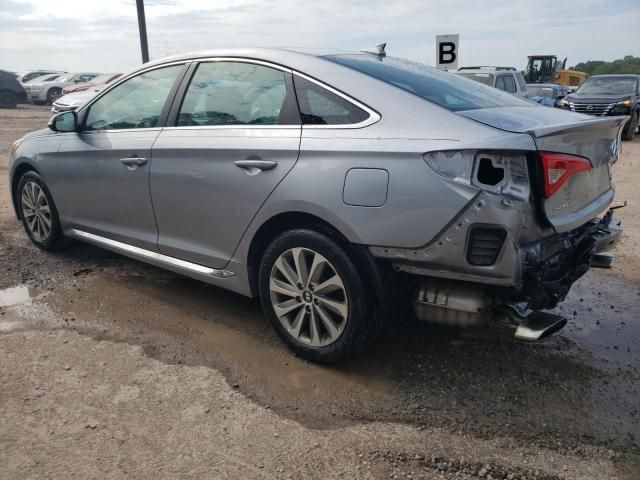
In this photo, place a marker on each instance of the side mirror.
(64, 122)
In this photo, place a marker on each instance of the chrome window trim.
(151, 255)
(124, 79)
(374, 116)
(233, 127)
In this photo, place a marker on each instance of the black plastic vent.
(484, 244)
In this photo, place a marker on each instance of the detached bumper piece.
(559, 263)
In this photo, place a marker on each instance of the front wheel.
(53, 94)
(8, 100)
(314, 296)
(630, 131)
(38, 211)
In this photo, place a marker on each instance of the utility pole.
(142, 26)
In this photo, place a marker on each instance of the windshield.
(486, 78)
(608, 86)
(104, 78)
(536, 91)
(64, 78)
(450, 91)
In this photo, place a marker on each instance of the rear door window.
(319, 106)
(500, 83)
(233, 93)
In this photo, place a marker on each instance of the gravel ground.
(110, 368)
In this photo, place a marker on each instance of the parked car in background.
(75, 99)
(608, 95)
(99, 80)
(548, 94)
(49, 90)
(28, 76)
(507, 79)
(337, 188)
(11, 91)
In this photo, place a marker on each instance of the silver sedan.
(337, 188)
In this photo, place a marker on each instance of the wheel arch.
(374, 273)
(17, 174)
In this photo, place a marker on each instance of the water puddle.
(17, 295)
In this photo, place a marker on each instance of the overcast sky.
(102, 35)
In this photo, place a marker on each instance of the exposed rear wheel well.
(279, 224)
(17, 175)
(375, 274)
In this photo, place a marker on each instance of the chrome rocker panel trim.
(153, 257)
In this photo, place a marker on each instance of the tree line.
(628, 64)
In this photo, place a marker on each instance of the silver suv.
(507, 79)
(337, 188)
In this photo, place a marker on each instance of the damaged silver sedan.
(337, 188)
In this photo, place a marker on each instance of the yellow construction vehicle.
(547, 69)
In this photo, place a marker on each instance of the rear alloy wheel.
(315, 297)
(309, 297)
(39, 215)
(630, 131)
(8, 100)
(53, 94)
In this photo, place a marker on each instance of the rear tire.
(314, 296)
(8, 99)
(630, 131)
(39, 213)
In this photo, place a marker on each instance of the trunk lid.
(585, 194)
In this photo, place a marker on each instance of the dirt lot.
(110, 368)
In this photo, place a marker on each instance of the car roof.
(550, 85)
(275, 55)
(488, 68)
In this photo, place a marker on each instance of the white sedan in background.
(74, 100)
(48, 91)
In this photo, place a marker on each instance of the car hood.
(38, 133)
(78, 98)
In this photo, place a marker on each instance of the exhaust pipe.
(534, 326)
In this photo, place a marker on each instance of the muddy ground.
(110, 368)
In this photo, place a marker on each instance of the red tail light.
(558, 167)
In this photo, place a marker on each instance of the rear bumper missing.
(552, 266)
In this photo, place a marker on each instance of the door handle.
(133, 162)
(255, 166)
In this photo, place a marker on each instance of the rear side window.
(521, 82)
(233, 93)
(448, 90)
(319, 106)
(500, 83)
(509, 84)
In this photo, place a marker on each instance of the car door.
(104, 168)
(235, 135)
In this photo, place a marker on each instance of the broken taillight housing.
(558, 167)
(499, 172)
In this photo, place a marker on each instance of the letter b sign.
(447, 51)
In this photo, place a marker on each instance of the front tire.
(39, 213)
(630, 131)
(8, 99)
(53, 94)
(314, 296)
